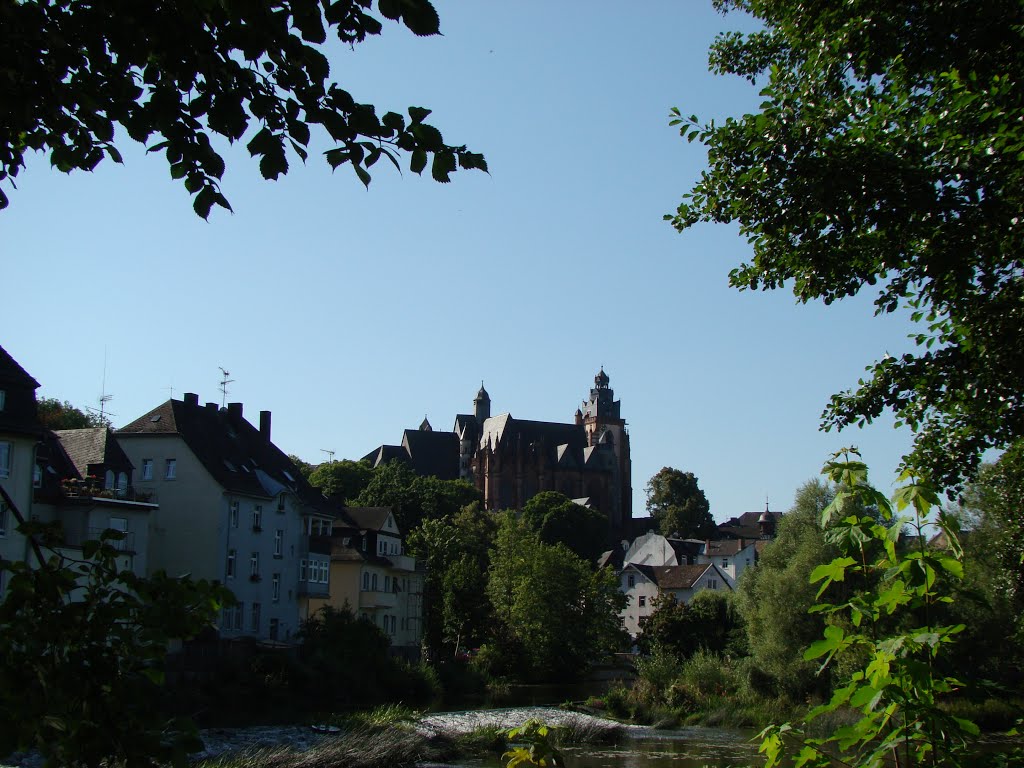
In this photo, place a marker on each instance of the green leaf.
(418, 161)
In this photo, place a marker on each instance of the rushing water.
(640, 748)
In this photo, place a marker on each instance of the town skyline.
(351, 314)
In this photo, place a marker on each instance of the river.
(641, 747)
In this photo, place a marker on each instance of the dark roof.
(727, 547)
(368, 518)
(382, 454)
(674, 576)
(745, 526)
(564, 445)
(231, 449)
(92, 446)
(19, 413)
(432, 453)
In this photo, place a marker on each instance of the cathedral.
(511, 460)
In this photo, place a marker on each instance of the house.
(731, 556)
(372, 575)
(233, 509)
(84, 482)
(750, 525)
(20, 433)
(643, 584)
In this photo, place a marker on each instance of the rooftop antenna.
(104, 398)
(224, 386)
(330, 455)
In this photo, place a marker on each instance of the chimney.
(212, 407)
(265, 425)
(235, 409)
(191, 398)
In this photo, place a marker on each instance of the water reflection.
(686, 748)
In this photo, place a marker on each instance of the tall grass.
(359, 748)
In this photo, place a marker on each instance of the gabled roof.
(231, 449)
(675, 576)
(726, 547)
(92, 446)
(13, 374)
(369, 518)
(432, 453)
(382, 454)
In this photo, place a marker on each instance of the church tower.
(482, 405)
(604, 425)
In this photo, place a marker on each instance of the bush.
(658, 671)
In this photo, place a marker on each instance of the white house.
(643, 584)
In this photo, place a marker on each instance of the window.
(276, 586)
(366, 582)
(171, 470)
(234, 514)
(631, 580)
(231, 564)
(147, 469)
(387, 583)
(280, 505)
(257, 518)
(325, 572)
(254, 566)
(255, 625)
(3, 399)
(393, 625)
(278, 542)
(712, 583)
(122, 483)
(5, 459)
(37, 476)
(302, 570)
(643, 600)
(275, 628)
(725, 562)
(3, 519)
(239, 614)
(108, 480)
(373, 581)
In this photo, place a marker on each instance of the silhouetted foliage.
(179, 75)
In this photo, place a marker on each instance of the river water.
(641, 747)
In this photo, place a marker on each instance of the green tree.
(304, 467)
(82, 653)
(455, 550)
(343, 480)
(414, 498)
(678, 505)
(554, 613)
(709, 623)
(559, 520)
(892, 632)
(887, 156)
(774, 598)
(178, 76)
(57, 414)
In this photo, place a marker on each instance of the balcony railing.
(377, 599)
(313, 589)
(76, 537)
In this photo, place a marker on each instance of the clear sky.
(352, 313)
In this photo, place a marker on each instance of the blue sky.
(352, 313)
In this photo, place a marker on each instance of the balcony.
(403, 562)
(378, 599)
(313, 589)
(75, 537)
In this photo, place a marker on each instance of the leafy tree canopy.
(57, 414)
(679, 506)
(559, 520)
(343, 479)
(553, 612)
(887, 153)
(414, 498)
(709, 623)
(177, 75)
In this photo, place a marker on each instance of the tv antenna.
(223, 386)
(104, 398)
(330, 455)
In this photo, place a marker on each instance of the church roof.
(432, 453)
